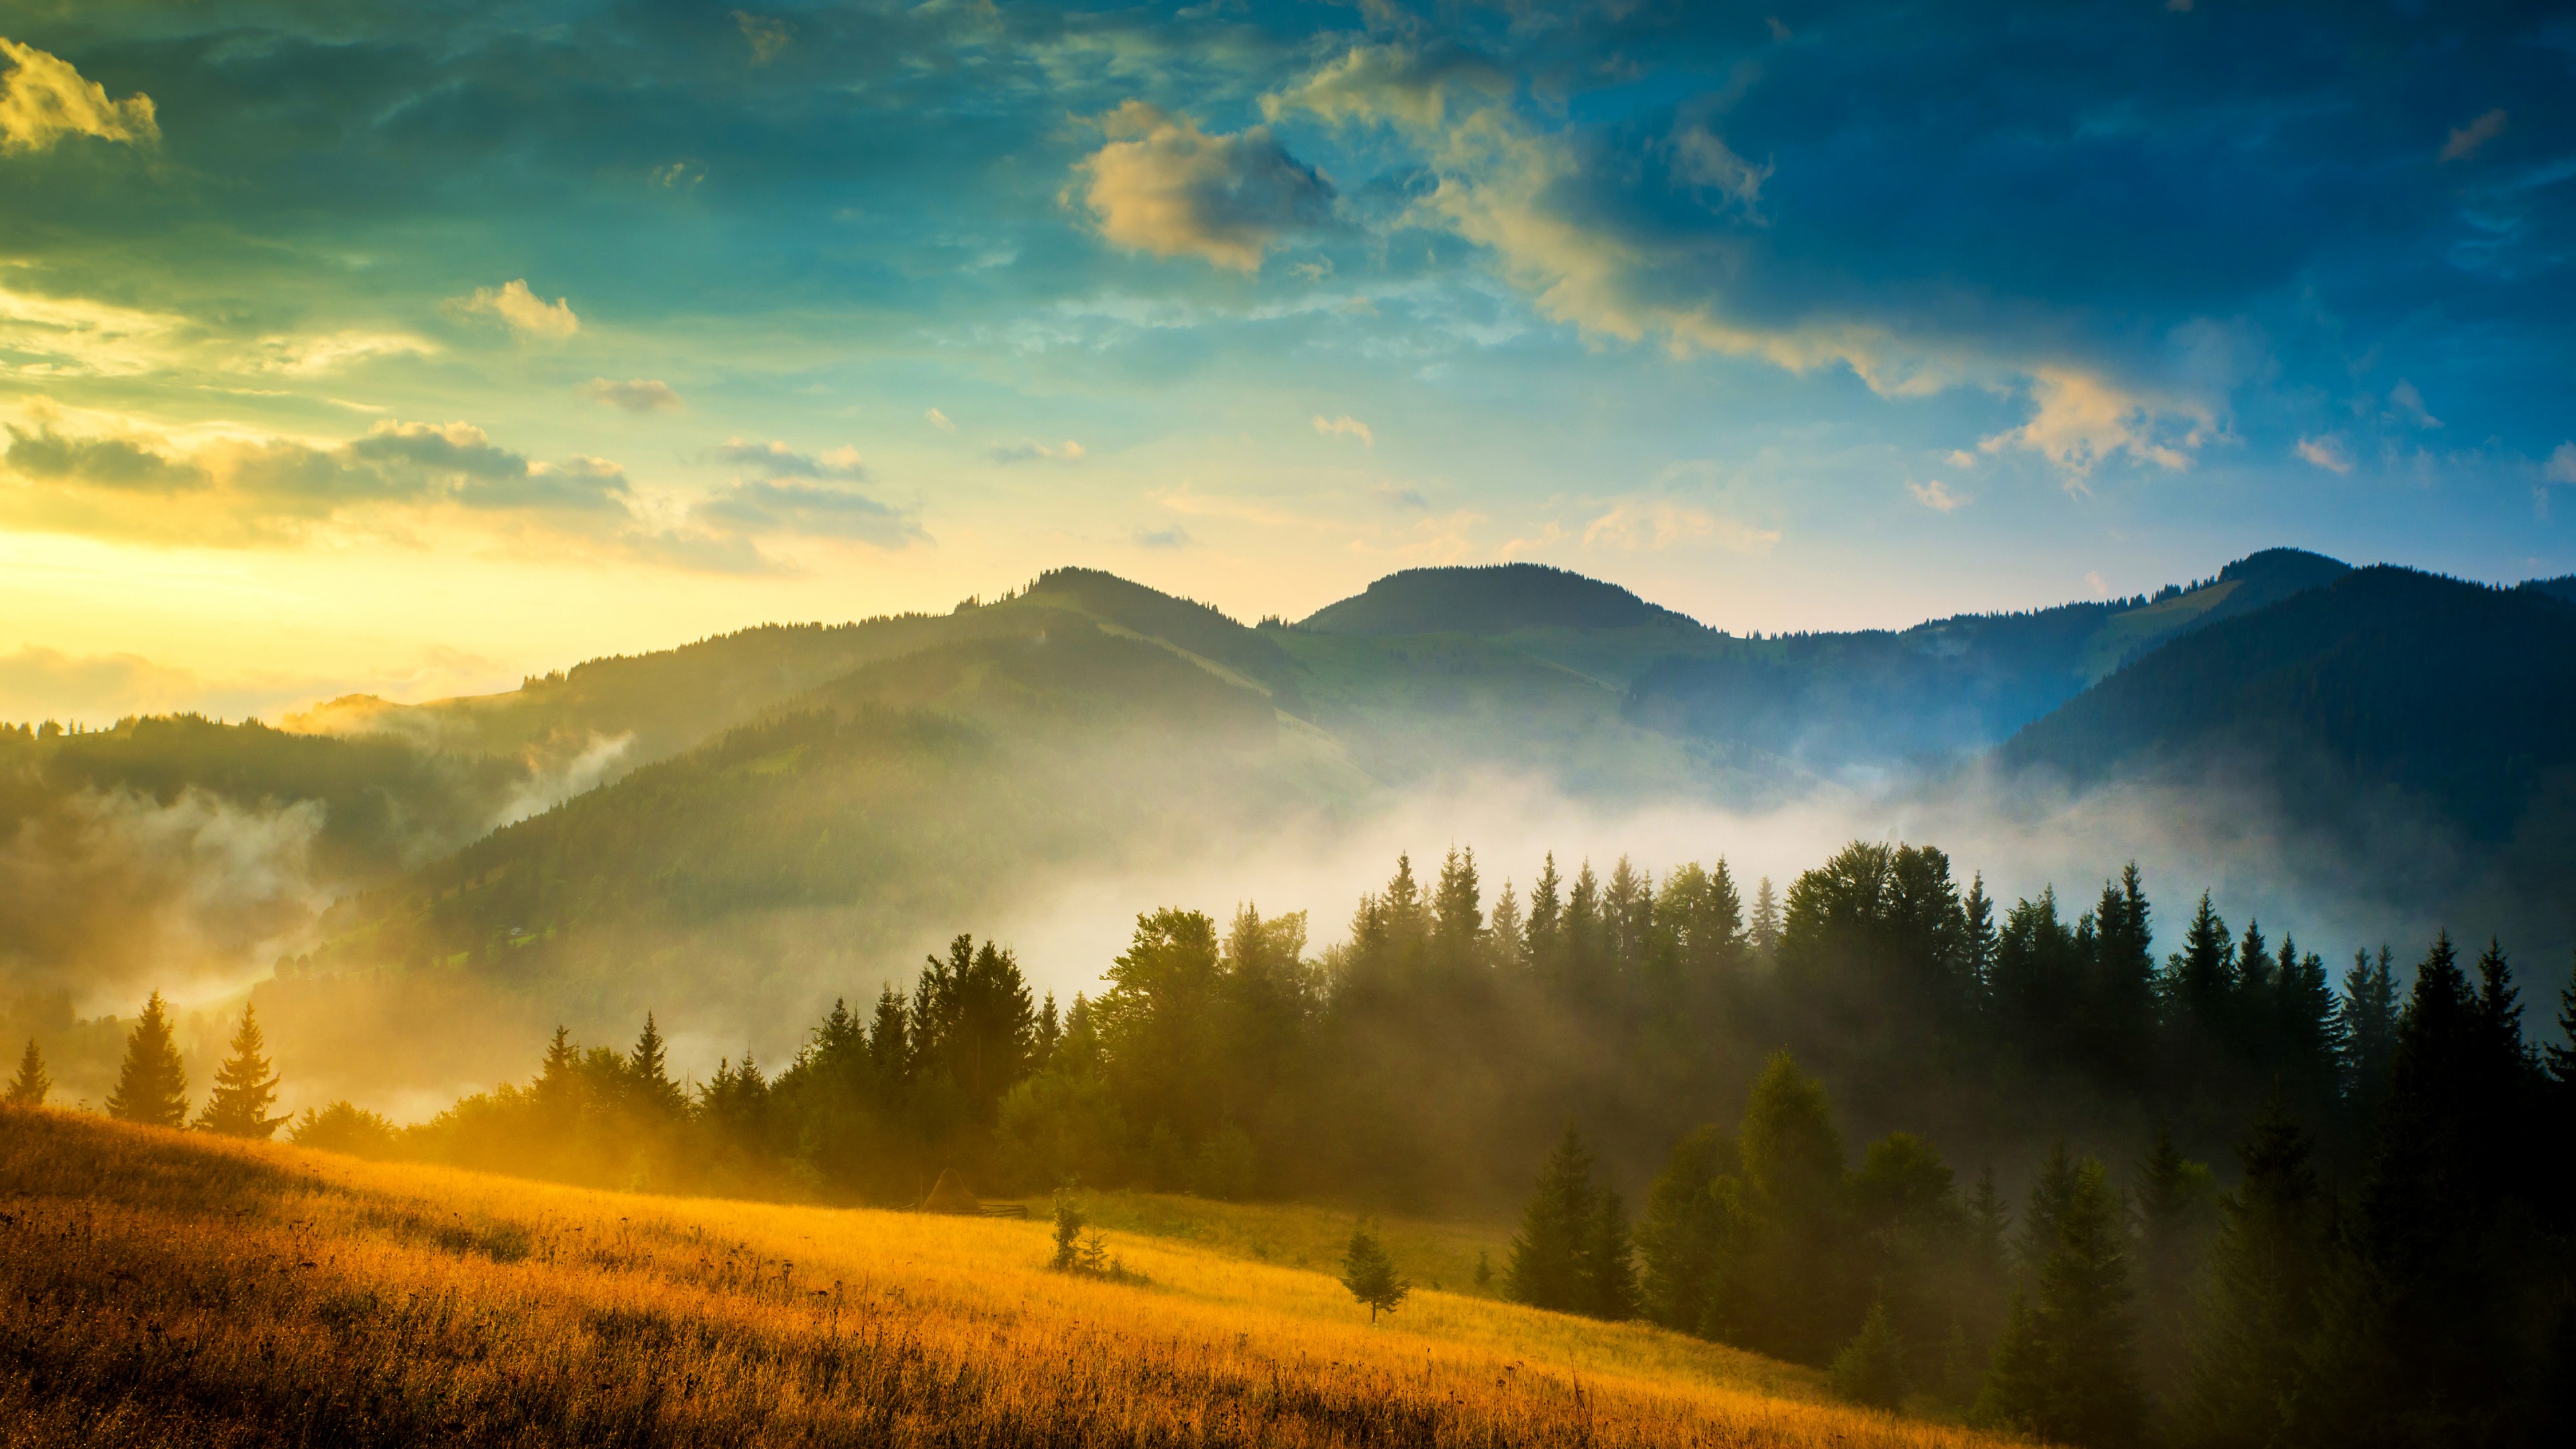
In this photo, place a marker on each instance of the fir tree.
(2259, 1306)
(1764, 929)
(1609, 1272)
(2366, 1018)
(244, 1089)
(28, 1088)
(1871, 1369)
(647, 1073)
(2066, 1368)
(1370, 1274)
(2561, 1060)
(152, 1086)
(2177, 1210)
(1548, 1255)
(1684, 1241)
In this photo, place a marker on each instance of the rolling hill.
(157, 1288)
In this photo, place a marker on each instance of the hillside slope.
(1946, 687)
(158, 1288)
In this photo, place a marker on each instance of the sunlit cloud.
(1162, 185)
(522, 311)
(636, 395)
(1936, 495)
(75, 337)
(43, 100)
(332, 352)
(1654, 527)
(766, 34)
(939, 420)
(2079, 421)
(761, 507)
(2326, 452)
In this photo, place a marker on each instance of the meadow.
(162, 1288)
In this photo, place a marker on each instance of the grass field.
(161, 1289)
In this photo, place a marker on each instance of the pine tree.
(2259, 1308)
(28, 1088)
(1764, 929)
(1871, 1369)
(1548, 1255)
(1609, 1272)
(649, 1076)
(2561, 1060)
(2065, 1369)
(1686, 1238)
(2177, 1210)
(1799, 1299)
(244, 1089)
(2366, 1017)
(152, 1085)
(1370, 1274)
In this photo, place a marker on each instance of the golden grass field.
(163, 1289)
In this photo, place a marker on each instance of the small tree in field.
(152, 1086)
(28, 1088)
(1370, 1274)
(244, 1090)
(1068, 1235)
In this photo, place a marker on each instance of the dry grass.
(164, 1289)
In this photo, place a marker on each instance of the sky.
(413, 347)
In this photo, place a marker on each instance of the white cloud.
(1936, 496)
(2326, 452)
(1703, 160)
(1067, 451)
(1345, 426)
(2079, 421)
(2561, 467)
(940, 421)
(1162, 185)
(635, 395)
(521, 310)
(1653, 527)
(44, 100)
(2466, 140)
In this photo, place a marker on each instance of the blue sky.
(410, 347)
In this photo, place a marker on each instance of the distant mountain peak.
(1489, 599)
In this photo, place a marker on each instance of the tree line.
(2218, 1196)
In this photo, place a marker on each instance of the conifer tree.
(1764, 929)
(1546, 938)
(1798, 1294)
(648, 1074)
(2366, 1018)
(244, 1089)
(28, 1088)
(2561, 1060)
(2177, 1210)
(151, 1087)
(1557, 1228)
(1609, 1272)
(2259, 1308)
(1686, 1237)
(1370, 1274)
(1871, 1369)
(2065, 1369)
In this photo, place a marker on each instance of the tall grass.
(158, 1288)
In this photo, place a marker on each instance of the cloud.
(777, 460)
(329, 352)
(2466, 140)
(1166, 538)
(76, 337)
(635, 395)
(2410, 405)
(767, 35)
(1162, 185)
(2326, 452)
(1703, 161)
(1393, 85)
(1936, 495)
(2079, 421)
(1345, 426)
(2561, 467)
(1068, 451)
(1654, 527)
(940, 421)
(1408, 499)
(760, 507)
(117, 463)
(521, 310)
(44, 100)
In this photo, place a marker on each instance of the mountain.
(1948, 687)
(1494, 599)
(2456, 694)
